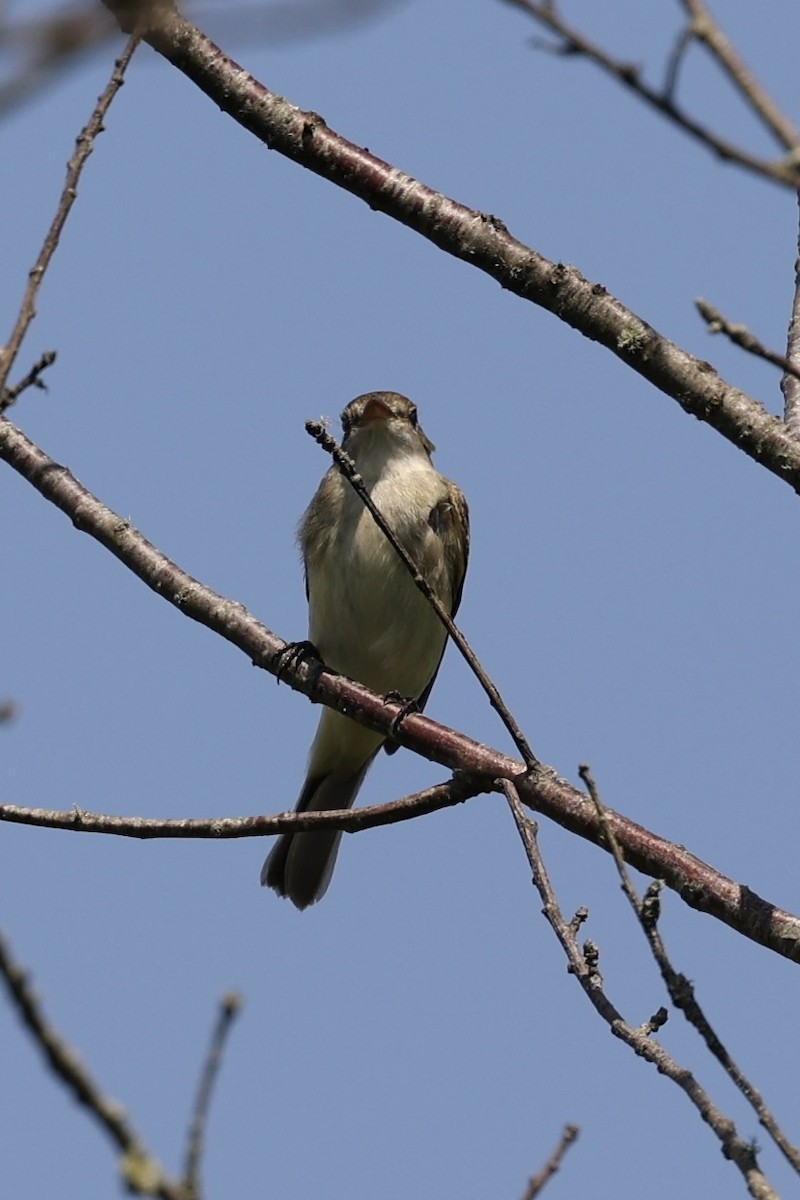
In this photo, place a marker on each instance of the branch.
(142, 1174)
(78, 820)
(789, 384)
(740, 335)
(229, 1008)
(536, 1182)
(83, 148)
(480, 240)
(699, 885)
(583, 964)
(681, 991)
(33, 379)
(786, 171)
(705, 29)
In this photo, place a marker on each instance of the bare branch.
(142, 1174)
(537, 1182)
(703, 28)
(83, 148)
(78, 820)
(229, 1008)
(681, 990)
(584, 966)
(789, 384)
(699, 885)
(784, 171)
(482, 241)
(33, 379)
(740, 335)
(348, 469)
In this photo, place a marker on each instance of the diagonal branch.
(478, 239)
(681, 990)
(699, 885)
(83, 148)
(537, 1182)
(741, 336)
(790, 384)
(141, 1173)
(229, 1008)
(583, 965)
(33, 379)
(705, 29)
(784, 171)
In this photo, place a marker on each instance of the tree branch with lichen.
(478, 239)
(542, 789)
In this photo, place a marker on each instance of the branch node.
(656, 1022)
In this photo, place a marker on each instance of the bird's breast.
(366, 616)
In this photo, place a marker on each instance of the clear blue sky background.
(633, 589)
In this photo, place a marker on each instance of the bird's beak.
(375, 410)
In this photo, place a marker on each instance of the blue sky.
(632, 589)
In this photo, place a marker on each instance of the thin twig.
(584, 965)
(32, 379)
(348, 469)
(681, 990)
(740, 335)
(8, 711)
(229, 1007)
(83, 148)
(675, 62)
(704, 29)
(789, 383)
(699, 885)
(784, 171)
(537, 1182)
(142, 1174)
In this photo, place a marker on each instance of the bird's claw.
(407, 704)
(292, 654)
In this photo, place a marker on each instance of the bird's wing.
(450, 520)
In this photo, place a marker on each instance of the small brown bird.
(367, 618)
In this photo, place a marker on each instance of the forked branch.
(700, 885)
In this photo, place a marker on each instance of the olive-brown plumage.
(367, 618)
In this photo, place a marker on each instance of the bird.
(366, 617)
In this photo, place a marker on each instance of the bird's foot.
(292, 654)
(407, 704)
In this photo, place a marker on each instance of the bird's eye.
(412, 416)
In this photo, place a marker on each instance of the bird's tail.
(300, 865)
